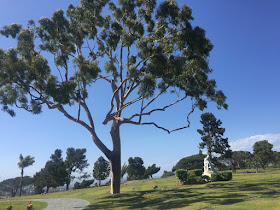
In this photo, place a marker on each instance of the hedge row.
(195, 176)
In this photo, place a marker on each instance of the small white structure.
(208, 167)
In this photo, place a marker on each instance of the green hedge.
(195, 172)
(225, 176)
(181, 174)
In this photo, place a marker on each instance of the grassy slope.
(245, 191)
(20, 205)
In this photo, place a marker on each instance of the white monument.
(208, 167)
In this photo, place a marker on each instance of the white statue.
(208, 167)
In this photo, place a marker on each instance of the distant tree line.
(58, 172)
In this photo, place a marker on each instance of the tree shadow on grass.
(168, 199)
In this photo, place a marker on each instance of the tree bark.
(21, 178)
(115, 159)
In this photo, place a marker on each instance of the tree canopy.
(101, 169)
(140, 49)
(54, 174)
(263, 153)
(135, 168)
(190, 162)
(75, 162)
(153, 169)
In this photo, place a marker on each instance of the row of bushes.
(195, 176)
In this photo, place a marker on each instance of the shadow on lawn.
(163, 199)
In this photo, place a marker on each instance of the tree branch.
(162, 109)
(123, 121)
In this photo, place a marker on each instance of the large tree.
(101, 169)
(153, 169)
(239, 160)
(139, 49)
(135, 168)
(190, 162)
(75, 162)
(263, 153)
(212, 136)
(53, 175)
(23, 163)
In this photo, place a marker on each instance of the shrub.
(182, 174)
(195, 172)
(194, 176)
(225, 176)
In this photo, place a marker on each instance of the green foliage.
(156, 39)
(135, 169)
(212, 136)
(195, 172)
(75, 162)
(83, 184)
(101, 169)
(25, 161)
(239, 160)
(263, 153)
(225, 176)
(149, 48)
(167, 174)
(151, 170)
(182, 175)
(190, 162)
(53, 175)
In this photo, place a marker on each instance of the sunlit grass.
(245, 191)
(21, 205)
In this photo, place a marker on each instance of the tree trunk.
(47, 191)
(67, 186)
(99, 183)
(257, 169)
(115, 160)
(21, 178)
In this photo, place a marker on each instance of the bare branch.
(155, 97)
(124, 121)
(105, 78)
(147, 123)
(162, 109)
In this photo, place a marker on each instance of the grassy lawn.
(21, 205)
(245, 191)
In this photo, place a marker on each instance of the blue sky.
(245, 60)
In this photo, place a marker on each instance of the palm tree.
(23, 163)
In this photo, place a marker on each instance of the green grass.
(21, 205)
(245, 191)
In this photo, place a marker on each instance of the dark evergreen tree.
(212, 136)
(147, 50)
(101, 169)
(190, 162)
(53, 175)
(75, 162)
(135, 169)
(153, 169)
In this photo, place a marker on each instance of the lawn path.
(64, 203)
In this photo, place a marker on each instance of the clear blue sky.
(245, 60)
